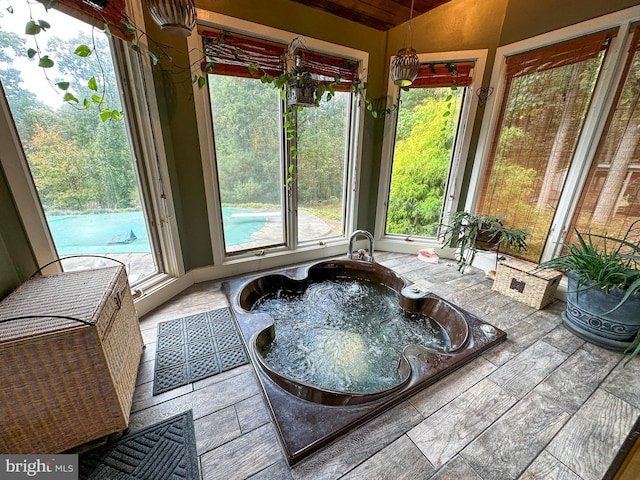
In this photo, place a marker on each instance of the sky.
(62, 26)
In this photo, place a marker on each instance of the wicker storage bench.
(70, 347)
(519, 279)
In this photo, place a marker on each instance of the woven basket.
(523, 281)
(68, 369)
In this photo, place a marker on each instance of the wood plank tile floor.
(542, 405)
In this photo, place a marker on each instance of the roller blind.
(328, 68)
(610, 200)
(559, 54)
(234, 54)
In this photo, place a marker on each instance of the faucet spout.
(360, 254)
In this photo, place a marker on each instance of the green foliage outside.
(321, 145)
(246, 124)
(79, 163)
(424, 140)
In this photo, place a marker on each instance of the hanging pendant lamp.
(176, 17)
(406, 65)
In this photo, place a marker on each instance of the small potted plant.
(469, 232)
(603, 292)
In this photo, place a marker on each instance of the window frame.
(460, 153)
(135, 84)
(601, 103)
(251, 260)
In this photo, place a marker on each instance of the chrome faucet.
(360, 254)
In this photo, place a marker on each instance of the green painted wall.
(16, 259)
(526, 18)
(174, 92)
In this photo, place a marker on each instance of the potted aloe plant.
(603, 293)
(469, 232)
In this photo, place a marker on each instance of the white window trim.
(14, 164)
(227, 265)
(152, 290)
(594, 123)
(411, 244)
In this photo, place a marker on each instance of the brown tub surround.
(308, 417)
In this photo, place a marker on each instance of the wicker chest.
(70, 347)
(527, 283)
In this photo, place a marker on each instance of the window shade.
(114, 13)
(326, 68)
(559, 54)
(610, 200)
(233, 54)
(433, 75)
(546, 98)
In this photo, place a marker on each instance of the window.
(323, 135)
(610, 200)
(93, 194)
(426, 141)
(546, 98)
(247, 145)
(427, 122)
(281, 178)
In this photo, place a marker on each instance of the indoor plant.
(469, 232)
(603, 293)
(302, 87)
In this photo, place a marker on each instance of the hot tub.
(307, 414)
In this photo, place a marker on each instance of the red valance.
(447, 74)
(245, 56)
(234, 54)
(113, 13)
(327, 68)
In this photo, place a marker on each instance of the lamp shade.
(405, 67)
(176, 17)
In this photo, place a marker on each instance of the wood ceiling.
(378, 14)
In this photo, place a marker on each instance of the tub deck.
(308, 418)
(542, 405)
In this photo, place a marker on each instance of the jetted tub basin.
(436, 337)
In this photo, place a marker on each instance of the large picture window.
(546, 98)
(426, 142)
(281, 178)
(610, 200)
(85, 169)
(428, 118)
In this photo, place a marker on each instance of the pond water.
(104, 233)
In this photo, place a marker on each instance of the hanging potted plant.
(301, 87)
(469, 232)
(603, 293)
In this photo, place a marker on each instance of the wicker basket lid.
(56, 302)
(531, 268)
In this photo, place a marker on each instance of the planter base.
(595, 339)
